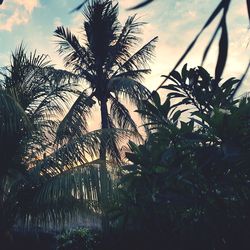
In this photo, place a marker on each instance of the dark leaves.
(222, 56)
(140, 5)
(223, 5)
(79, 6)
(223, 46)
(241, 80)
(248, 8)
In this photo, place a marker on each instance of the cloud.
(16, 12)
(29, 5)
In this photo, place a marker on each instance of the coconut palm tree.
(42, 181)
(112, 71)
(32, 99)
(110, 67)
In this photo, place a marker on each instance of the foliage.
(43, 181)
(77, 239)
(31, 97)
(53, 178)
(191, 176)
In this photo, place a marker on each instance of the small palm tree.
(104, 60)
(32, 94)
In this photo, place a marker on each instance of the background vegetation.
(184, 186)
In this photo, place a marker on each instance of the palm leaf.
(137, 75)
(223, 4)
(75, 122)
(11, 124)
(128, 38)
(140, 5)
(80, 149)
(121, 115)
(75, 53)
(129, 89)
(140, 58)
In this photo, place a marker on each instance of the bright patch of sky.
(175, 22)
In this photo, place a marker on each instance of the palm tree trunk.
(103, 153)
(104, 177)
(104, 120)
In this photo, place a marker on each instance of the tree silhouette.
(106, 60)
(31, 96)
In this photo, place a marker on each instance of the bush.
(77, 239)
(190, 179)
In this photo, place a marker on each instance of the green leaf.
(223, 50)
(160, 170)
(176, 115)
(156, 98)
(176, 75)
(176, 95)
(140, 5)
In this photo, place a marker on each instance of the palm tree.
(104, 60)
(43, 181)
(112, 70)
(32, 94)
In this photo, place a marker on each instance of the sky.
(176, 22)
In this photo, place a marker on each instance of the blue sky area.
(175, 22)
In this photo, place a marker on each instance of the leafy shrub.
(77, 239)
(191, 176)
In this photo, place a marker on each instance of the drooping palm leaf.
(120, 114)
(75, 122)
(80, 149)
(129, 89)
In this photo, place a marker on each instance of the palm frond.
(129, 89)
(75, 122)
(121, 115)
(61, 198)
(75, 53)
(53, 93)
(137, 75)
(80, 149)
(13, 118)
(81, 182)
(128, 38)
(140, 58)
